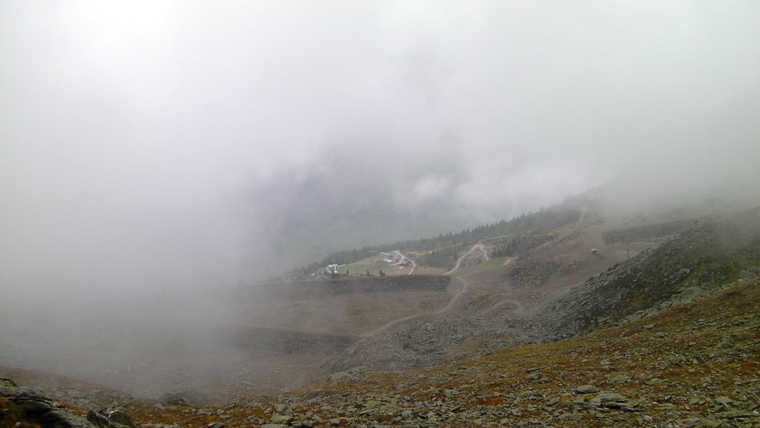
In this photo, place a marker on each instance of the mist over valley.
(386, 214)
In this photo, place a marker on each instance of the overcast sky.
(134, 134)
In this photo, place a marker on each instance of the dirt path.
(485, 253)
(520, 311)
(550, 291)
(403, 257)
(462, 288)
(524, 305)
(458, 287)
(477, 246)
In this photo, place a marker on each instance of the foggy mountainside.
(376, 214)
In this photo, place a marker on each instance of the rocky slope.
(694, 365)
(689, 266)
(670, 337)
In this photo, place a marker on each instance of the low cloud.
(172, 144)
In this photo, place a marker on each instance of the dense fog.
(162, 147)
(167, 144)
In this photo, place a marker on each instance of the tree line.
(444, 248)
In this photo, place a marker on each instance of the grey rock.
(98, 420)
(283, 408)
(278, 418)
(339, 376)
(116, 417)
(586, 389)
(606, 397)
(40, 409)
(619, 379)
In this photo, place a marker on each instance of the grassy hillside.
(518, 235)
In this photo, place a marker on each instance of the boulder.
(586, 389)
(39, 409)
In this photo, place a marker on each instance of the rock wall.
(358, 285)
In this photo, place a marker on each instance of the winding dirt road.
(458, 287)
(477, 246)
(403, 257)
(520, 310)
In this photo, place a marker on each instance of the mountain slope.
(693, 264)
(496, 312)
(695, 364)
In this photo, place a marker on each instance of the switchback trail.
(520, 308)
(403, 257)
(458, 287)
(477, 246)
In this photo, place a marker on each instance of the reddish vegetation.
(697, 362)
(13, 417)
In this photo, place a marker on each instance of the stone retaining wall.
(358, 285)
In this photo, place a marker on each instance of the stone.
(97, 419)
(619, 379)
(279, 418)
(605, 397)
(39, 409)
(586, 389)
(116, 416)
(533, 376)
(572, 416)
(339, 376)
(284, 409)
